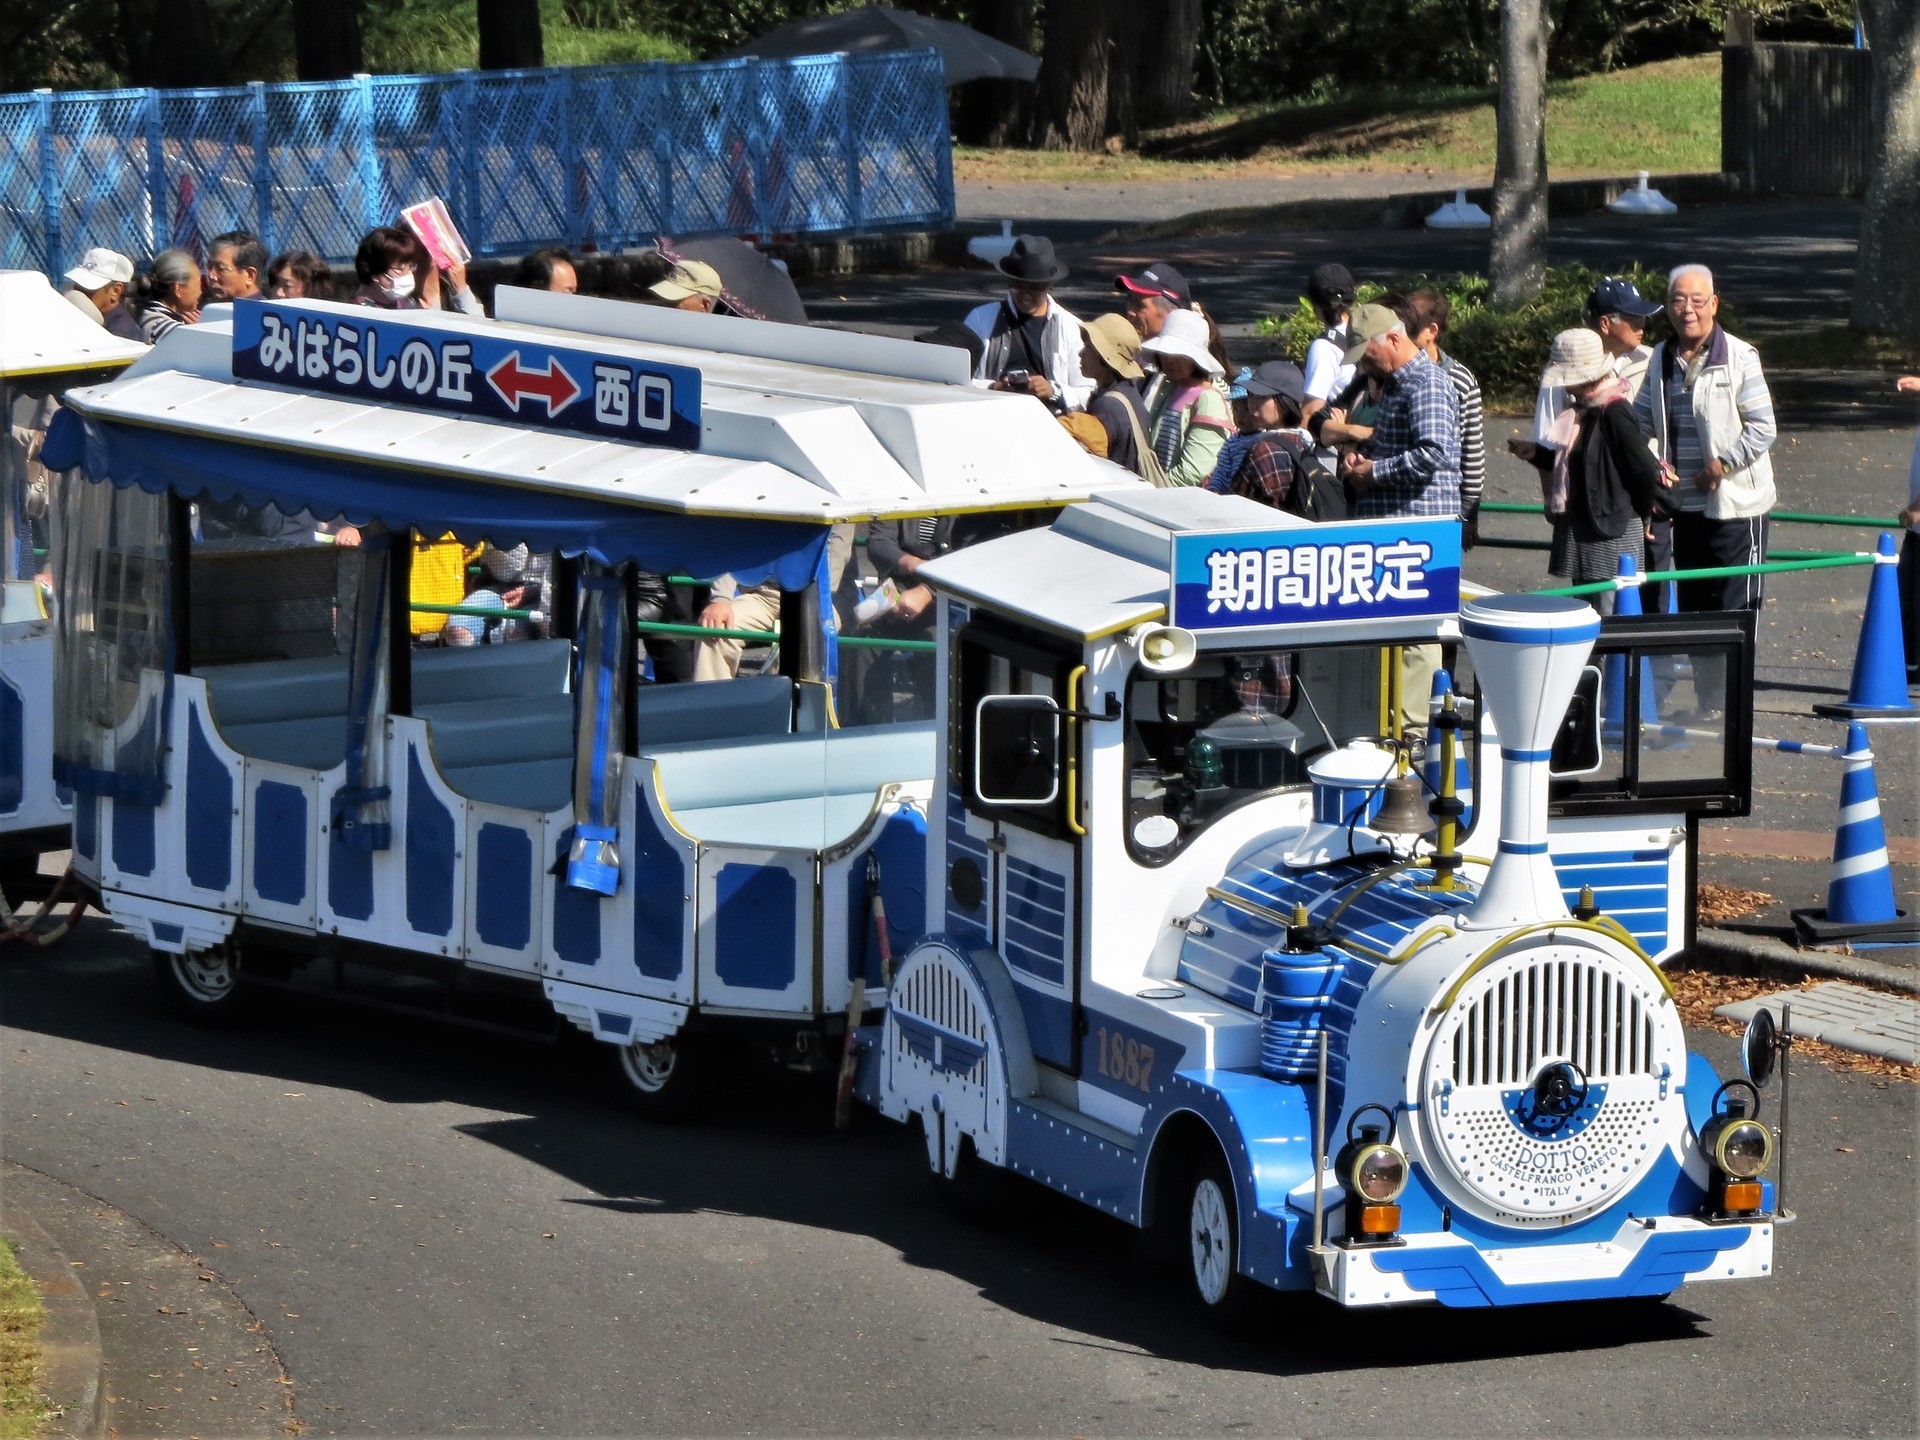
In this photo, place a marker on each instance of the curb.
(1409, 210)
(1769, 953)
(70, 1355)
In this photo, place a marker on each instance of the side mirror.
(1576, 745)
(1760, 1047)
(1016, 750)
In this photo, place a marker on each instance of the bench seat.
(802, 792)
(542, 786)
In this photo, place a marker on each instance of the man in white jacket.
(1706, 407)
(1031, 344)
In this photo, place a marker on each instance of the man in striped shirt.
(1425, 313)
(1706, 407)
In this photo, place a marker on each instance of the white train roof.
(43, 333)
(795, 423)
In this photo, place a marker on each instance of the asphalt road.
(444, 1233)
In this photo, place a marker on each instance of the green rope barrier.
(1784, 517)
(426, 607)
(1720, 572)
(879, 642)
(767, 637)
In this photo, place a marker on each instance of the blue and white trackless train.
(46, 345)
(1192, 966)
(1172, 934)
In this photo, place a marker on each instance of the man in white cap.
(690, 285)
(98, 285)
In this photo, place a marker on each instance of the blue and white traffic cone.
(1860, 903)
(1879, 687)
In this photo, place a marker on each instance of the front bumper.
(1646, 1257)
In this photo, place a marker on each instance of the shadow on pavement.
(766, 1148)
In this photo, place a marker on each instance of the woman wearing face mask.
(397, 274)
(170, 293)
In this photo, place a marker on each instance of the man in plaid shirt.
(1411, 466)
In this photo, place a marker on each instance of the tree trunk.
(1130, 30)
(1073, 75)
(510, 36)
(997, 112)
(1169, 41)
(1519, 259)
(1886, 287)
(326, 39)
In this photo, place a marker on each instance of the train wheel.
(658, 1078)
(1213, 1248)
(203, 986)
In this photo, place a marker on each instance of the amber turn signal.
(1385, 1219)
(1742, 1195)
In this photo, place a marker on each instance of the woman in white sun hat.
(1190, 420)
(1599, 479)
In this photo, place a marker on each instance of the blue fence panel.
(602, 157)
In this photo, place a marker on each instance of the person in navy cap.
(1619, 312)
(1031, 342)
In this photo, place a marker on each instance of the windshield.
(1235, 725)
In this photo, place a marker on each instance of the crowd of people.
(1658, 454)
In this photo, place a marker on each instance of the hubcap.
(1209, 1231)
(649, 1066)
(205, 975)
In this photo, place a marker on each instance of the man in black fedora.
(1032, 343)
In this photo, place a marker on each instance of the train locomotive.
(1270, 1018)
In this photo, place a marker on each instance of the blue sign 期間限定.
(466, 370)
(1311, 574)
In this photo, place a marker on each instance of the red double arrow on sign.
(513, 382)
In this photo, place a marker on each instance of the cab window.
(1233, 726)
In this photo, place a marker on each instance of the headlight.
(1743, 1149)
(1378, 1174)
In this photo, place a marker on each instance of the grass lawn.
(1660, 117)
(21, 1408)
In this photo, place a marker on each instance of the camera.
(1016, 379)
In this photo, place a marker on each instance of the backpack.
(1312, 494)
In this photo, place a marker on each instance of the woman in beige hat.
(1190, 420)
(1598, 478)
(1109, 356)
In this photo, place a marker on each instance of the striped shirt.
(1415, 446)
(1473, 435)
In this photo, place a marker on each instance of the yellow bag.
(1091, 434)
(439, 578)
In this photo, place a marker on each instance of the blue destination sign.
(1346, 570)
(381, 356)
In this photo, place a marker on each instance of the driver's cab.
(1136, 698)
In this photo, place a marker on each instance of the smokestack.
(1528, 651)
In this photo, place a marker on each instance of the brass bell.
(1403, 811)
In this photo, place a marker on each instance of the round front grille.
(1552, 1084)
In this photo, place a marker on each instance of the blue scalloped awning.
(196, 467)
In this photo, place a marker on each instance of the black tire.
(659, 1081)
(204, 987)
(1211, 1230)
